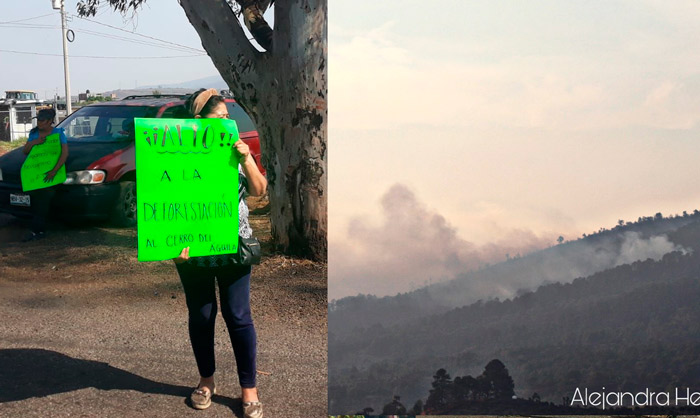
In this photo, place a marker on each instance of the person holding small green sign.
(199, 275)
(41, 198)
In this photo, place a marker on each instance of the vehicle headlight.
(85, 177)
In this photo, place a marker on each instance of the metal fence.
(4, 125)
(19, 128)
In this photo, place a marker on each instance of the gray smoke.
(562, 264)
(635, 248)
(414, 247)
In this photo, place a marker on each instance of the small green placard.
(186, 187)
(42, 159)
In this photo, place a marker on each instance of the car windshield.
(104, 123)
(22, 96)
(242, 119)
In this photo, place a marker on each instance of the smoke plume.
(413, 247)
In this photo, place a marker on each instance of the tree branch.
(252, 11)
(214, 21)
(281, 23)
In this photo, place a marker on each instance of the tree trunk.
(284, 90)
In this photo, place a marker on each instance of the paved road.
(87, 331)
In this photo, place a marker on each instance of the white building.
(16, 112)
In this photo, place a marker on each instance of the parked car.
(101, 176)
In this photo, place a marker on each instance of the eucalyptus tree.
(283, 87)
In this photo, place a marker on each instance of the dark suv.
(101, 176)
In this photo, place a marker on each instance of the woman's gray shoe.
(201, 398)
(252, 410)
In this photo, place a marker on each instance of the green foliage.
(96, 99)
(88, 8)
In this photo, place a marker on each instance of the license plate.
(19, 199)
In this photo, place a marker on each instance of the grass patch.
(9, 146)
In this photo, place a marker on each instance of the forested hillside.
(607, 248)
(627, 327)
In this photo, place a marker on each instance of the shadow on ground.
(30, 372)
(13, 231)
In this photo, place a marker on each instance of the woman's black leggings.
(41, 205)
(234, 291)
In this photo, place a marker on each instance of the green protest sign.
(187, 187)
(42, 158)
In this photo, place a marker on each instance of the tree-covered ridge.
(492, 393)
(629, 327)
(561, 263)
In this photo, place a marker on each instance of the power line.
(29, 18)
(100, 57)
(135, 41)
(173, 45)
(27, 26)
(95, 33)
(35, 26)
(141, 35)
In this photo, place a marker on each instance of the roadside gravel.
(87, 331)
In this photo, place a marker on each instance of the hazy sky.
(163, 19)
(505, 124)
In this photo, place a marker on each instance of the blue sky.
(44, 74)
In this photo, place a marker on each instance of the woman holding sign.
(199, 274)
(41, 198)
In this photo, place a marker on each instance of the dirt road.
(87, 331)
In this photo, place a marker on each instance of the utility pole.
(59, 4)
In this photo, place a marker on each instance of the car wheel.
(124, 212)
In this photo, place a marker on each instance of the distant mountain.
(214, 81)
(122, 93)
(186, 87)
(628, 327)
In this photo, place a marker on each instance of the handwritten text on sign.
(42, 158)
(186, 186)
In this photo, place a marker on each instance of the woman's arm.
(257, 183)
(62, 159)
(27, 148)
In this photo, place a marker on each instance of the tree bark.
(284, 90)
